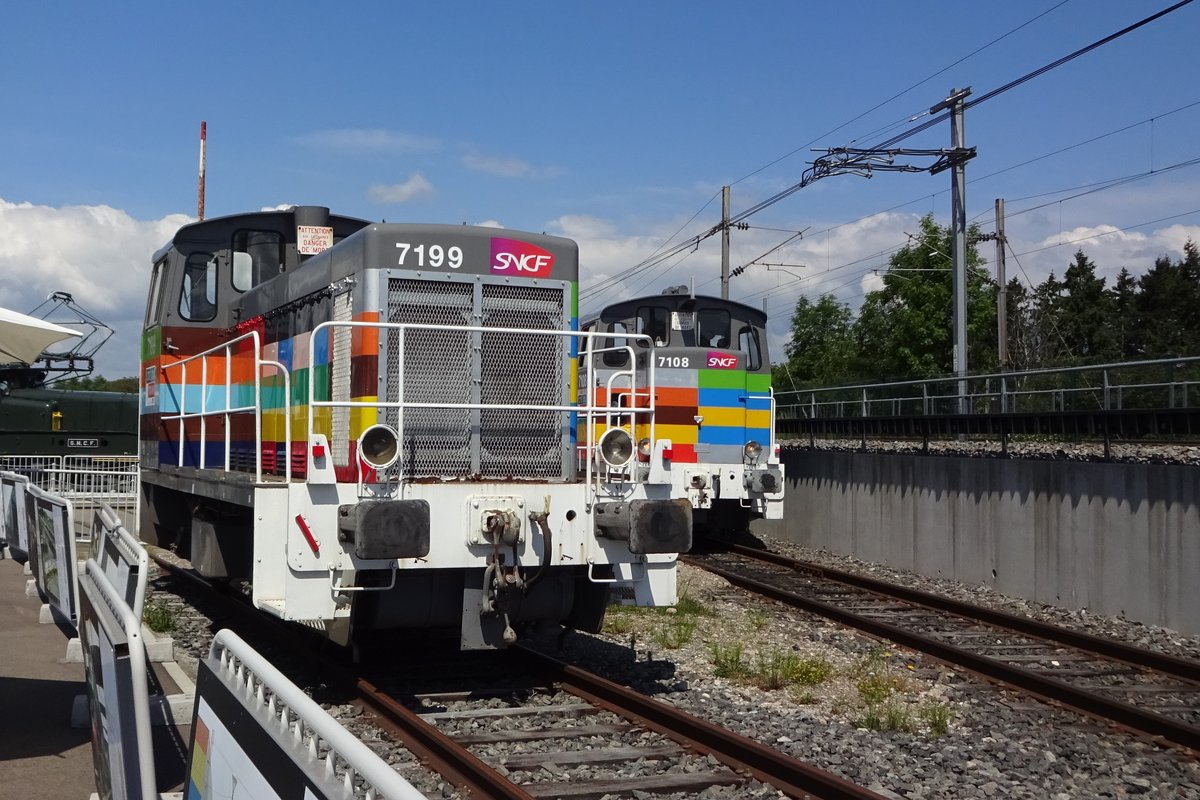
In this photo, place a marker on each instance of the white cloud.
(416, 186)
(98, 254)
(505, 167)
(372, 141)
(497, 165)
(489, 223)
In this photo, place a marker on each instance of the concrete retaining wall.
(1117, 539)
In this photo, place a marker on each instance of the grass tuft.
(158, 616)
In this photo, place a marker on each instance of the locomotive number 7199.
(433, 255)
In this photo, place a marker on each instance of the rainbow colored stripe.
(293, 353)
(733, 406)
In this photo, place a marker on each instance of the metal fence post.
(1106, 390)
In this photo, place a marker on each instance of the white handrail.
(590, 410)
(270, 694)
(228, 409)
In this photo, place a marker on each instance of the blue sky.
(614, 123)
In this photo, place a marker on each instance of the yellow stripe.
(363, 417)
(724, 417)
(680, 434)
(758, 419)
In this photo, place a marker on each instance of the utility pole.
(724, 242)
(958, 225)
(1002, 286)
(200, 192)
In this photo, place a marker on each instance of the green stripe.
(722, 379)
(151, 343)
(758, 382)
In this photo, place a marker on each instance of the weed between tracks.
(158, 616)
(876, 691)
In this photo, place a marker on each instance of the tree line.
(98, 383)
(904, 330)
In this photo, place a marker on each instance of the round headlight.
(379, 446)
(752, 450)
(644, 449)
(616, 447)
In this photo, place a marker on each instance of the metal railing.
(1159, 383)
(87, 481)
(225, 385)
(591, 412)
(315, 740)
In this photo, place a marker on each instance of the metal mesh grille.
(437, 369)
(526, 370)
(340, 368)
(446, 366)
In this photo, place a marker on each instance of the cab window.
(712, 327)
(256, 256)
(198, 297)
(655, 322)
(154, 300)
(617, 358)
(748, 343)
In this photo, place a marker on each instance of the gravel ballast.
(882, 717)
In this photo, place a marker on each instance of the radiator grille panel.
(459, 367)
(437, 369)
(527, 370)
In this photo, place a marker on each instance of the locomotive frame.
(376, 426)
(713, 399)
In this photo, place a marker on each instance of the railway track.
(519, 724)
(1143, 691)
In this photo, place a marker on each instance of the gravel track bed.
(996, 743)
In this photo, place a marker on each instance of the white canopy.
(23, 338)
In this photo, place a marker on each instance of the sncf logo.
(721, 361)
(511, 257)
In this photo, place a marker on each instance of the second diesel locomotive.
(713, 405)
(375, 425)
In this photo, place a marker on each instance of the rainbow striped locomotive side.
(375, 425)
(713, 403)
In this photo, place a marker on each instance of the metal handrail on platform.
(998, 392)
(317, 740)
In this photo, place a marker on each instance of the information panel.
(12, 495)
(232, 755)
(54, 566)
(115, 664)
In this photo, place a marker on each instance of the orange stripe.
(676, 396)
(365, 341)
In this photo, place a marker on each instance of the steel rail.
(450, 760)
(1049, 689)
(791, 775)
(1172, 665)
(435, 749)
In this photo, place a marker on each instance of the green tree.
(98, 383)
(1124, 300)
(821, 350)
(906, 329)
(1085, 315)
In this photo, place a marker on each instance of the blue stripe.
(722, 398)
(758, 403)
(721, 434)
(285, 354)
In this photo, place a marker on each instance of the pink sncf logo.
(721, 360)
(520, 259)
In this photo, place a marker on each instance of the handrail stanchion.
(228, 393)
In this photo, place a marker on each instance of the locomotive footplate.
(650, 526)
